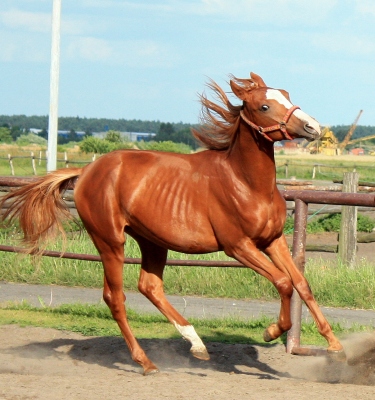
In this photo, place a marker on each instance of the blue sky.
(148, 59)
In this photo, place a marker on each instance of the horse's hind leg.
(112, 254)
(151, 285)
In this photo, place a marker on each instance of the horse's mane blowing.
(219, 123)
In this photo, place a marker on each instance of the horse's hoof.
(337, 355)
(272, 333)
(149, 368)
(151, 371)
(201, 354)
(267, 337)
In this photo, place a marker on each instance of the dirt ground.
(38, 363)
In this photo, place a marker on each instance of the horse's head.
(271, 112)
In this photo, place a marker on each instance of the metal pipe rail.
(301, 198)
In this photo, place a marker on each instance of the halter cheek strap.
(281, 126)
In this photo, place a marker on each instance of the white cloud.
(344, 43)
(29, 21)
(365, 7)
(8, 49)
(22, 48)
(279, 12)
(145, 53)
(90, 48)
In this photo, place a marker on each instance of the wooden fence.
(37, 160)
(301, 199)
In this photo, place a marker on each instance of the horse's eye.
(265, 107)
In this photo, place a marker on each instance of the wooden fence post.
(348, 228)
(11, 164)
(33, 163)
(286, 170)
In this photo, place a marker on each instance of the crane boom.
(348, 136)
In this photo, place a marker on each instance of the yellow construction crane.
(327, 144)
(348, 136)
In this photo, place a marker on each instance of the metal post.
(298, 253)
(54, 87)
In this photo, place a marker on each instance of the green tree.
(5, 135)
(165, 132)
(165, 146)
(113, 136)
(31, 138)
(72, 136)
(43, 133)
(96, 145)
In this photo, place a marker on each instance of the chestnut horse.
(224, 198)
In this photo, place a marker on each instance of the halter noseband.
(280, 126)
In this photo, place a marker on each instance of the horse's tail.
(40, 208)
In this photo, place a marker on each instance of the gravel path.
(189, 306)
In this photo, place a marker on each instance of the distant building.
(60, 132)
(357, 152)
(130, 136)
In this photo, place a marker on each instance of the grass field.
(95, 320)
(326, 167)
(22, 160)
(333, 284)
(299, 165)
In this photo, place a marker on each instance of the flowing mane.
(219, 122)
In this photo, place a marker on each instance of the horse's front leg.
(247, 253)
(279, 253)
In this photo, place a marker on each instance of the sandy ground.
(39, 363)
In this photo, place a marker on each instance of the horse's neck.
(252, 159)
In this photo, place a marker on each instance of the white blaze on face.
(273, 94)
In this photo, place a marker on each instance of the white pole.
(54, 87)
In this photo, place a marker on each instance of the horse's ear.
(257, 79)
(238, 90)
(242, 87)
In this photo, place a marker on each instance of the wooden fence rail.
(33, 159)
(301, 199)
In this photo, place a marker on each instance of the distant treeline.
(361, 131)
(86, 124)
(90, 125)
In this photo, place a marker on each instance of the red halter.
(281, 125)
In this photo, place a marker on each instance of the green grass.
(22, 161)
(95, 320)
(300, 166)
(332, 283)
(327, 168)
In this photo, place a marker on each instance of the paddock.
(39, 363)
(36, 362)
(301, 199)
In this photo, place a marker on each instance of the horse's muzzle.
(312, 134)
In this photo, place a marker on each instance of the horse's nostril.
(309, 129)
